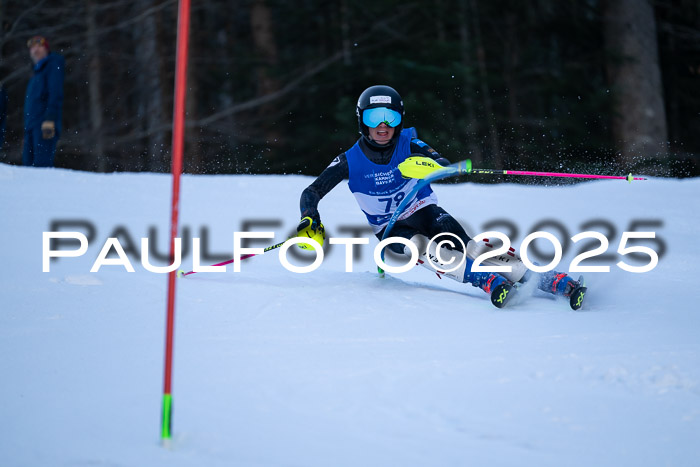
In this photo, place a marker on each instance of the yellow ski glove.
(310, 228)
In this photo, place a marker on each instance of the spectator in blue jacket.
(43, 105)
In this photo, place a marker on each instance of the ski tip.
(180, 273)
(578, 294)
(576, 300)
(501, 295)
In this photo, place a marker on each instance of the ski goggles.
(375, 117)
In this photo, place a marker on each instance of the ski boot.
(500, 288)
(562, 284)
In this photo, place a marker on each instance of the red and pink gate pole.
(183, 30)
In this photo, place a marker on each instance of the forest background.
(597, 85)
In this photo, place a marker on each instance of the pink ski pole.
(628, 177)
(182, 273)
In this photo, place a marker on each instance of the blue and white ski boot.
(500, 288)
(563, 285)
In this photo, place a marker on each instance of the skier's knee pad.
(443, 260)
(398, 248)
(510, 258)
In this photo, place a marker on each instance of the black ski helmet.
(379, 96)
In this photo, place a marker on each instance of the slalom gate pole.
(628, 177)
(182, 273)
(183, 29)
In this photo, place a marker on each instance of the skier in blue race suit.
(43, 105)
(371, 167)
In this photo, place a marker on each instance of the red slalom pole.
(183, 31)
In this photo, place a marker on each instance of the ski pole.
(424, 168)
(182, 273)
(628, 177)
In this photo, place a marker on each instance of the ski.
(578, 294)
(502, 294)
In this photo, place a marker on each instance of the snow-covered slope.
(331, 368)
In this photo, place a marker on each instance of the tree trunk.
(2, 28)
(151, 87)
(345, 32)
(266, 48)
(511, 58)
(472, 125)
(94, 84)
(639, 120)
(496, 156)
(193, 163)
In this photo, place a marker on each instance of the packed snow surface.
(336, 368)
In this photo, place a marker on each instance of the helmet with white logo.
(379, 104)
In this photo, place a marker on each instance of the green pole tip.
(167, 417)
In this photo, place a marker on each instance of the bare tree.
(465, 44)
(495, 145)
(266, 49)
(639, 121)
(151, 88)
(94, 85)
